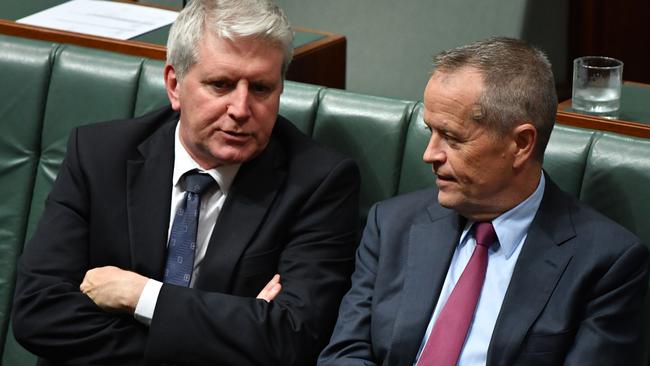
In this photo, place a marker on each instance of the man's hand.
(271, 290)
(113, 289)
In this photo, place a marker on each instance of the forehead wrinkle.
(228, 66)
(447, 118)
(448, 91)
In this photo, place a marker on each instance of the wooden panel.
(616, 29)
(320, 62)
(110, 44)
(599, 123)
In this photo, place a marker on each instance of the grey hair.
(227, 19)
(518, 85)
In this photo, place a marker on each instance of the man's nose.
(239, 106)
(434, 153)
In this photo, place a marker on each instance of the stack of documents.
(102, 18)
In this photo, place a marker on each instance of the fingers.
(271, 290)
(94, 277)
(274, 290)
(113, 289)
(89, 279)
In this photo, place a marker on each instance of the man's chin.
(235, 157)
(444, 200)
(448, 199)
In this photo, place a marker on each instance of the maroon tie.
(450, 330)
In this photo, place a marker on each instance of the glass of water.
(597, 85)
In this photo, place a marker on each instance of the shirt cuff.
(147, 302)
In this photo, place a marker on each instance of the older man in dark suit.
(160, 231)
(498, 266)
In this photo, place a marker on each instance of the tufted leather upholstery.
(49, 88)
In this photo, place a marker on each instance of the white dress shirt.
(211, 202)
(511, 228)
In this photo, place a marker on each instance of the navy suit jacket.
(575, 297)
(291, 210)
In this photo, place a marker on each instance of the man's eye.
(453, 142)
(449, 137)
(260, 88)
(221, 85)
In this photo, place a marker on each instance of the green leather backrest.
(566, 156)
(51, 88)
(86, 86)
(300, 103)
(415, 173)
(25, 74)
(369, 129)
(617, 181)
(78, 86)
(151, 93)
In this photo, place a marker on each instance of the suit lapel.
(431, 246)
(539, 267)
(149, 184)
(252, 193)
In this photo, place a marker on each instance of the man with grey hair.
(160, 231)
(497, 266)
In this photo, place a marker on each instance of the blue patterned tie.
(182, 239)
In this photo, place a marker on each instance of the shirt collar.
(512, 226)
(183, 163)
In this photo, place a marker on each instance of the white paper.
(102, 18)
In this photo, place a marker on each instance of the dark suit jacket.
(292, 210)
(575, 297)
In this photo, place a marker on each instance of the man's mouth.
(235, 136)
(444, 180)
(445, 177)
(235, 133)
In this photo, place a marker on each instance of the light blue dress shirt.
(512, 229)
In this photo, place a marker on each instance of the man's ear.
(172, 85)
(525, 139)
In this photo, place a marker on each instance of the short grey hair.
(518, 85)
(227, 19)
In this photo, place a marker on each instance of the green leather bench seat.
(25, 71)
(50, 88)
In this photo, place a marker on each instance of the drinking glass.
(597, 85)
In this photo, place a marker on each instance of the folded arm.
(51, 317)
(117, 290)
(314, 264)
